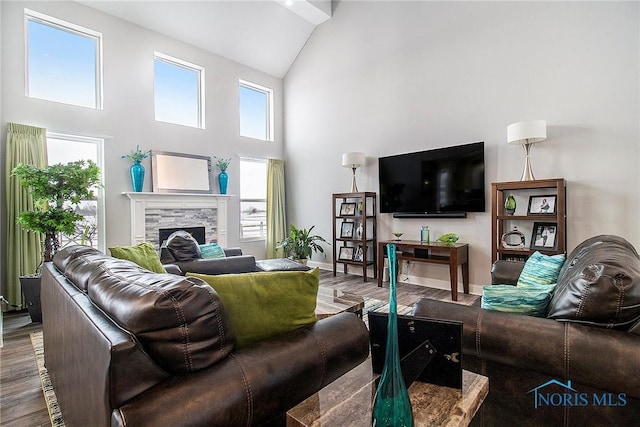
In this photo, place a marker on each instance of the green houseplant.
(56, 190)
(300, 244)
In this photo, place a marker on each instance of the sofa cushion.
(599, 284)
(183, 246)
(179, 321)
(262, 305)
(541, 269)
(211, 250)
(531, 300)
(142, 254)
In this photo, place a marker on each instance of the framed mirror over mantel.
(181, 173)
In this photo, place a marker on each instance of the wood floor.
(21, 399)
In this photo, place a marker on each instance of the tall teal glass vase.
(137, 176)
(223, 180)
(392, 407)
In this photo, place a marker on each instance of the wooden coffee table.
(332, 301)
(348, 401)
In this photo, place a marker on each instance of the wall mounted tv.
(443, 182)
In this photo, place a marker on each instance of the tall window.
(256, 111)
(65, 148)
(253, 199)
(179, 91)
(64, 61)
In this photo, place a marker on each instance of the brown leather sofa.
(127, 347)
(580, 366)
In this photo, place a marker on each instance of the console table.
(453, 255)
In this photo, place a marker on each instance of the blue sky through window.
(62, 65)
(177, 93)
(254, 113)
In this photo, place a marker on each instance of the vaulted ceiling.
(263, 34)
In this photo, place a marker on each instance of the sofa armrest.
(256, 383)
(506, 272)
(232, 251)
(173, 269)
(600, 358)
(228, 265)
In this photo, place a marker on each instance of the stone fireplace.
(153, 211)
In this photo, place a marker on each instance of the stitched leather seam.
(247, 389)
(478, 346)
(567, 357)
(322, 352)
(221, 330)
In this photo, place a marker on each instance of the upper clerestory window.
(63, 61)
(256, 111)
(178, 91)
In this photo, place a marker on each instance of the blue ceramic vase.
(392, 407)
(223, 180)
(137, 176)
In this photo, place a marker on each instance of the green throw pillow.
(531, 300)
(265, 304)
(143, 254)
(211, 250)
(541, 269)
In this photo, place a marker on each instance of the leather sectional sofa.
(127, 347)
(580, 366)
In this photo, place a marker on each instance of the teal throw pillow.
(266, 304)
(211, 250)
(541, 269)
(143, 254)
(532, 300)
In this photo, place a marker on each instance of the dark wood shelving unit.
(501, 222)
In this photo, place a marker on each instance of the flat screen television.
(445, 181)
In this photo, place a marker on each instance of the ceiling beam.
(314, 11)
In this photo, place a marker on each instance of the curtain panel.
(25, 144)
(276, 215)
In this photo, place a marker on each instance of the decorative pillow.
(143, 254)
(541, 269)
(266, 304)
(183, 246)
(211, 250)
(531, 300)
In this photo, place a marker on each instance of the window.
(63, 61)
(65, 148)
(256, 111)
(253, 199)
(178, 91)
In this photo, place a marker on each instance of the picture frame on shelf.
(346, 253)
(542, 205)
(348, 209)
(544, 236)
(358, 255)
(346, 230)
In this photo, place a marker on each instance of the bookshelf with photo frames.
(539, 222)
(354, 231)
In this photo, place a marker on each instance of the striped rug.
(47, 388)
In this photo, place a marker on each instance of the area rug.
(47, 388)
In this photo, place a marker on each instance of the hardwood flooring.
(21, 399)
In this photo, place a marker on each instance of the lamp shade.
(527, 132)
(353, 160)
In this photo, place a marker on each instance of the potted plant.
(56, 190)
(301, 244)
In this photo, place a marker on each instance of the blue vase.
(137, 176)
(392, 407)
(223, 180)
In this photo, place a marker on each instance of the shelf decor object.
(510, 205)
(392, 406)
(137, 170)
(527, 134)
(353, 161)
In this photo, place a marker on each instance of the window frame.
(241, 200)
(98, 141)
(32, 15)
(200, 70)
(270, 134)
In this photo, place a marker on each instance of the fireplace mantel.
(140, 202)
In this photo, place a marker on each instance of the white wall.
(394, 77)
(128, 115)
